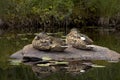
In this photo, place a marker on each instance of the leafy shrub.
(55, 14)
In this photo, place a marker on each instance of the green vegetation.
(49, 15)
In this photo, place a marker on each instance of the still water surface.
(10, 45)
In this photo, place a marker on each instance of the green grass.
(9, 46)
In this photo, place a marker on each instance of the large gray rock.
(17, 55)
(98, 53)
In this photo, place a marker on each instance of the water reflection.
(9, 46)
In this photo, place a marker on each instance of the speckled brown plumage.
(78, 40)
(48, 43)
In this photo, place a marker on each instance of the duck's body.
(78, 40)
(48, 43)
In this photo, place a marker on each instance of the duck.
(44, 42)
(78, 40)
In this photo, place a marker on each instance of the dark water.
(11, 44)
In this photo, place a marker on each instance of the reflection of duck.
(78, 40)
(44, 42)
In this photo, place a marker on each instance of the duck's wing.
(86, 39)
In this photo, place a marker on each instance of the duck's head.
(40, 35)
(74, 31)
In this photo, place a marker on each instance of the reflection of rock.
(74, 67)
